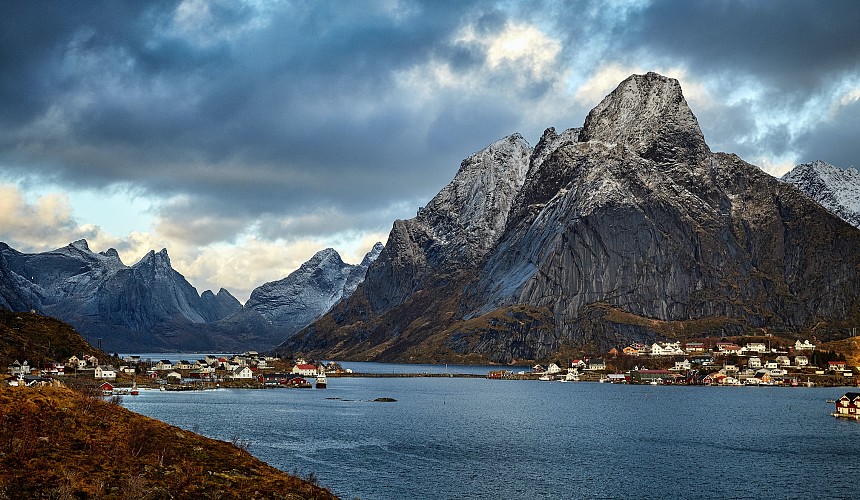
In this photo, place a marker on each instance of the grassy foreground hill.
(40, 339)
(59, 443)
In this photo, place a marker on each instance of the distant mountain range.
(626, 229)
(150, 306)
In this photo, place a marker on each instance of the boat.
(321, 381)
(572, 376)
(545, 377)
(134, 391)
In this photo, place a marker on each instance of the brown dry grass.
(60, 443)
(849, 347)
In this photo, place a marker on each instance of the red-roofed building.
(848, 406)
(305, 370)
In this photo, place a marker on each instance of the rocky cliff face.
(145, 306)
(626, 229)
(308, 292)
(214, 307)
(836, 189)
(149, 306)
(455, 230)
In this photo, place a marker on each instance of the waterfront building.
(848, 406)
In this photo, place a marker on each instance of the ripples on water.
(476, 438)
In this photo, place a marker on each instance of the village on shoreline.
(718, 363)
(757, 362)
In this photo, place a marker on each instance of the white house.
(105, 372)
(553, 369)
(596, 364)
(771, 365)
(242, 373)
(19, 369)
(783, 361)
(803, 346)
(801, 361)
(682, 365)
(667, 349)
(758, 347)
(305, 370)
(754, 362)
(183, 364)
(163, 365)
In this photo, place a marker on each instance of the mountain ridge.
(147, 306)
(623, 230)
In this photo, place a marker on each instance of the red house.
(106, 388)
(848, 406)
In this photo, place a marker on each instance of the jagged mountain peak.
(475, 204)
(834, 188)
(80, 244)
(310, 291)
(161, 259)
(112, 254)
(372, 255)
(648, 114)
(327, 255)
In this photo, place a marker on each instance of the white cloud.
(48, 222)
(776, 167)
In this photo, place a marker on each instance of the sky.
(246, 136)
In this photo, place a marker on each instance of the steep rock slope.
(626, 229)
(836, 189)
(308, 292)
(149, 306)
(145, 306)
(427, 258)
(214, 307)
(455, 230)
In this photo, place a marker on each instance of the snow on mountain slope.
(836, 189)
(310, 291)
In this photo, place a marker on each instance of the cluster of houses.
(249, 366)
(722, 363)
(723, 348)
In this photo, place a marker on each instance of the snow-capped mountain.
(628, 228)
(149, 306)
(145, 306)
(455, 230)
(310, 291)
(836, 189)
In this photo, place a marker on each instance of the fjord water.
(477, 438)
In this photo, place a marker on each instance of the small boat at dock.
(321, 382)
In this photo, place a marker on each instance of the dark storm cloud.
(836, 141)
(249, 112)
(267, 112)
(794, 45)
(795, 52)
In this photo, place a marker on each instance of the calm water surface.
(475, 438)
